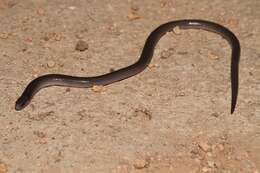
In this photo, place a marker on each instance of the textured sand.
(173, 117)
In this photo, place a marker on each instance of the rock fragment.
(81, 45)
(141, 163)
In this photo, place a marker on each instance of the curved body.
(144, 60)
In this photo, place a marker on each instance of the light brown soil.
(173, 117)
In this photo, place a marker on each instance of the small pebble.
(111, 70)
(132, 14)
(98, 88)
(180, 94)
(24, 49)
(177, 30)
(72, 7)
(212, 55)
(153, 66)
(215, 114)
(205, 169)
(211, 164)
(140, 163)
(81, 45)
(50, 64)
(3, 168)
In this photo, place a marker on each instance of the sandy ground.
(173, 117)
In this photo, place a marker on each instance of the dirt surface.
(173, 117)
